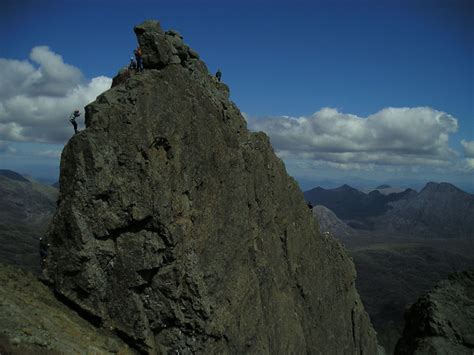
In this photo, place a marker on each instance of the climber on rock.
(138, 57)
(72, 119)
(43, 250)
(218, 75)
(133, 64)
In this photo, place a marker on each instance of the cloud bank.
(391, 137)
(37, 96)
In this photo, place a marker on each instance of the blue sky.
(283, 60)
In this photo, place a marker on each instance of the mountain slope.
(12, 175)
(33, 321)
(26, 208)
(439, 210)
(329, 223)
(181, 230)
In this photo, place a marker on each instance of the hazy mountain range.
(439, 210)
(402, 243)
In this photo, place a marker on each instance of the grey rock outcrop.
(442, 322)
(181, 230)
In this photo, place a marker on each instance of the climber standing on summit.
(138, 57)
(72, 119)
(218, 75)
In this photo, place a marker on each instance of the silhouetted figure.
(72, 119)
(310, 205)
(138, 57)
(218, 75)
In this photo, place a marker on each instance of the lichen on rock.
(181, 230)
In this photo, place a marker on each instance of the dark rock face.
(442, 322)
(181, 230)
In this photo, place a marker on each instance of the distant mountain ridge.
(438, 210)
(349, 203)
(12, 175)
(441, 210)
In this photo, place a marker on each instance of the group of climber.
(137, 62)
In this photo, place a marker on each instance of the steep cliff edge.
(181, 230)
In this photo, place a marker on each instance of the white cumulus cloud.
(468, 147)
(390, 137)
(37, 96)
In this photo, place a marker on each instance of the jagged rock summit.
(181, 230)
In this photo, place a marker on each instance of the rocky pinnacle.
(181, 230)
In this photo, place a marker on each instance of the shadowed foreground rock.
(442, 322)
(181, 230)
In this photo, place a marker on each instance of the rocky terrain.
(442, 322)
(181, 231)
(26, 208)
(33, 321)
